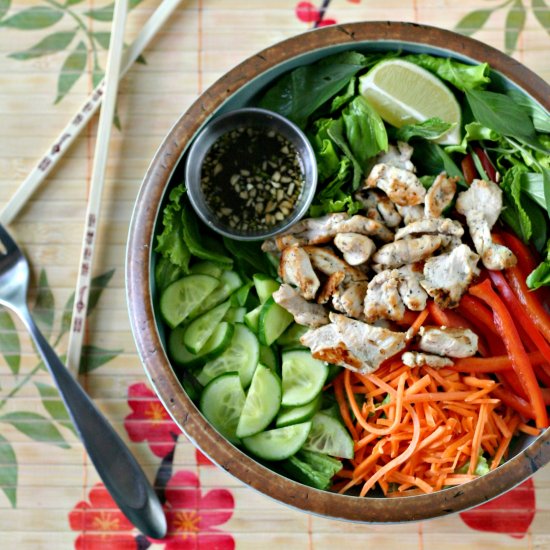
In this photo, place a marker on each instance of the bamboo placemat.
(51, 54)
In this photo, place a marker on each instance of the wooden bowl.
(234, 90)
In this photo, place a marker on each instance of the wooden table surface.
(50, 495)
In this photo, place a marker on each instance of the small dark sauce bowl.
(257, 119)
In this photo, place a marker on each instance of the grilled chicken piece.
(353, 344)
(330, 287)
(379, 207)
(482, 204)
(407, 251)
(365, 226)
(383, 300)
(413, 295)
(295, 268)
(448, 276)
(430, 226)
(357, 249)
(410, 214)
(327, 262)
(304, 312)
(349, 299)
(419, 359)
(401, 186)
(439, 195)
(399, 156)
(448, 342)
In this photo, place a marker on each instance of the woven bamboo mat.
(50, 497)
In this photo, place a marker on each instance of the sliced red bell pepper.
(526, 260)
(490, 170)
(514, 401)
(514, 347)
(469, 169)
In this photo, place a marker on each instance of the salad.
(396, 341)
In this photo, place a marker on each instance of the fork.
(119, 470)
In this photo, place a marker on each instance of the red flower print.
(511, 513)
(101, 524)
(308, 13)
(202, 459)
(149, 420)
(192, 515)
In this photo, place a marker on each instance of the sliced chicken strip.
(413, 295)
(357, 249)
(379, 207)
(399, 156)
(401, 186)
(448, 276)
(439, 195)
(370, 204)
(304, 312)
(349, 299)
(327, 262)
(353, 344)
(419, 359)
(410, 213)
(295, 268)
(407, 251)
(383, 300)
(365, 226)
(448, 342)
(482, 204)
(430, 226)
(330, 287)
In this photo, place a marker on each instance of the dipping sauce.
(252, 179)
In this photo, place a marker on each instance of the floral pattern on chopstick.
(52, 425)
(72, 34)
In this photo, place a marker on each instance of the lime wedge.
(404, 93)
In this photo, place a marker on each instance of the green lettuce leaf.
(514, 213)
(474, 131)
(431, 129)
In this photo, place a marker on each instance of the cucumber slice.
(202, 327)
(265, 286)
(241, 356)
(241, 295)
(269, 358)
(180, 298)
(235, 315)
(329, 436)
(273, 321)
(290, 338)
(252, 318)
(295, 415)
(222, 402)
(166, 273)
(262, 402)
(207, 267)
(279, 443)
(303, 377)
(215, 345)
(229, 282)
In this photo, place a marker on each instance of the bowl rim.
(147, 337)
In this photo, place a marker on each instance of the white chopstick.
(82, 116)
(112, 72)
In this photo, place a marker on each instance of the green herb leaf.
(170, 242)
(51, 44)
(542, 12)
(98, 285)
(302, 91)
(94, 357)
(54, 405)
(10, 347)
(249, 257)
(71, 71)
(101, 14)
(431, 159)
(540, 276)
(514, 214)
(539, 116)
(4, 7)
(365, 131)
(464, 77)
(532, 184)
(36, 427)
(336, 133)
(342, 100)
(8, 471)
(431, 129)
(473, 21)
(43, 310)
(515, 21)
(37, 17)
(473, 132)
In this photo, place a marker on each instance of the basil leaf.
(431, 159)
(532, 185)
(463, 76)
(432, 129)
(343, 99)
(365, 131)
(514, 214)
